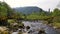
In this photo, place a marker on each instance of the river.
(36, 26)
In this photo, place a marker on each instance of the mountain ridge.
(28, 10)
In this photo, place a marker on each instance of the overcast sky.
(44, 4)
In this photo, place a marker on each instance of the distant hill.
(28, 10)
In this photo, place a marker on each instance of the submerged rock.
(42, 31)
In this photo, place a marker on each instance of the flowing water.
(36, 26)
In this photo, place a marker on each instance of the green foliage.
(3, 11)
(18, 15)
(37, 16)
(56, 12)
(56, 17)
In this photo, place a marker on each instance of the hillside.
(28, 10)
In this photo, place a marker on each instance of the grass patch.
(57, 25)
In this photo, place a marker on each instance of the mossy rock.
(20, 33)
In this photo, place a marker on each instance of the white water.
(36, 26)
(15, 33)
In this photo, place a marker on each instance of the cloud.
(44, 4)
(58, 5)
